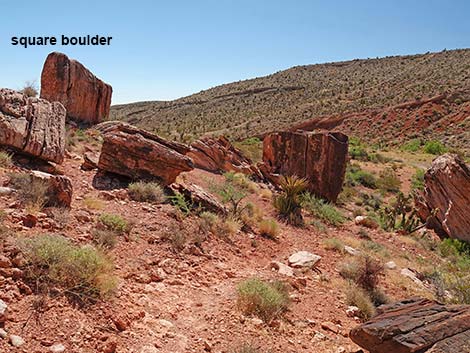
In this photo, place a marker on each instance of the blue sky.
(167, 49)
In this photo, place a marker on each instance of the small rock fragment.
(303, 259)
(57, 348)
(16, 341)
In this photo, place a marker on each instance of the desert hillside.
(253, 107)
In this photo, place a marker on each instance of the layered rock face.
(32, 125)
(219, 155)
(86, 98)
(445, 202)
(320, 158)
(138, 154)
(416, 325)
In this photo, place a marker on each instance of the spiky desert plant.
(288, 203)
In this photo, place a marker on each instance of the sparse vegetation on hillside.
(252, 107)
(146, 191)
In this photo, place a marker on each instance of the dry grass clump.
(32, 192)
(146, 192)
(358, 297)
(334, 244)
(267, 300)
(269, 228)
(93, 204)
(5, 160)
(364, 276)
(81, 272)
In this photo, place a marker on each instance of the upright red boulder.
(138, 154)
(33, 126)
(86, 98)
(445, 202)
(219, 155)
(320, 158)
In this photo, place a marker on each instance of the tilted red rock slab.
(416, 325)
(219, 155)
(319, 158)
(32, 125)
(138, 154)
(86, 98)
(447, 192)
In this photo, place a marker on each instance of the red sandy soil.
(186, 301)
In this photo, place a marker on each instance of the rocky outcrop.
(416, 325)
(86, 98)
(219, 155)
(319, 158)
(138, 154)
(32, 125)
(445, 202)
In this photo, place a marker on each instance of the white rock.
(282, 268)
(352, 251)
(3, 333)
(257, 322)
(165, 323)
(390, 265)
(359, 219)
(319, 336)
(303, 259)
(352, 311)
(6, 191)
(16, 341)
(57, 348)
(3, 307)
(411, 275)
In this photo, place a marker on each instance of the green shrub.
(434, 147)
(179, 201)
(322, 209)
(356, 176)
(5, 160)
(146, 192)
(417, 180)
(115, 223)
(82, 273)
(454, 247)
(412, 145)
(288, 203)
(267, 300)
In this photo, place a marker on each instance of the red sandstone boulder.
(86, 98)
(219, 155)
(139, 154)
(32, 125)
(445, 202)
(416, 325)
(320, 158)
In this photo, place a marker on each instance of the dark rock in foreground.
(416, 325)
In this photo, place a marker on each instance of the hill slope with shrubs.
(256, 106)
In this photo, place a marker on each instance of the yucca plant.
(288, 203)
